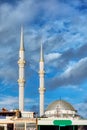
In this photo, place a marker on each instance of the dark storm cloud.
(74, 75)
(82, 51)
(72, 55)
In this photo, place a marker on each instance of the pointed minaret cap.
(41, 54)
(22, 39)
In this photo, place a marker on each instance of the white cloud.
(8, 102)
(77, 70)
(11, 102)
(52, 56)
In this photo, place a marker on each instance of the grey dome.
(63, 105)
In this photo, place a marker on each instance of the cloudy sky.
(61, 25)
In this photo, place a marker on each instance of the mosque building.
(61, 108)
(59, 115)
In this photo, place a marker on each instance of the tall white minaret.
(21, 80)
(41, 88)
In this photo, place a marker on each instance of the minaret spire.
(22, 39)
(21, 80)
(41, 88)
(41, 54)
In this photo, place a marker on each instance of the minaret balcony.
(42, 89)
(21, 81)
(21, 62)
(41, 72)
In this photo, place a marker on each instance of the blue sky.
(61, 25)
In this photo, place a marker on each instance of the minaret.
(41, 88)
(21, 80)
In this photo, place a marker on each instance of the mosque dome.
(60, 108)
(61, 104)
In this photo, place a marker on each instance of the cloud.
(82, 109)
(18, 14)
(62, 30)
(57, 32)
(8, 102)
(72, 55)
(73, 70)
(52, 56)
(11, 102)
(73, 75)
